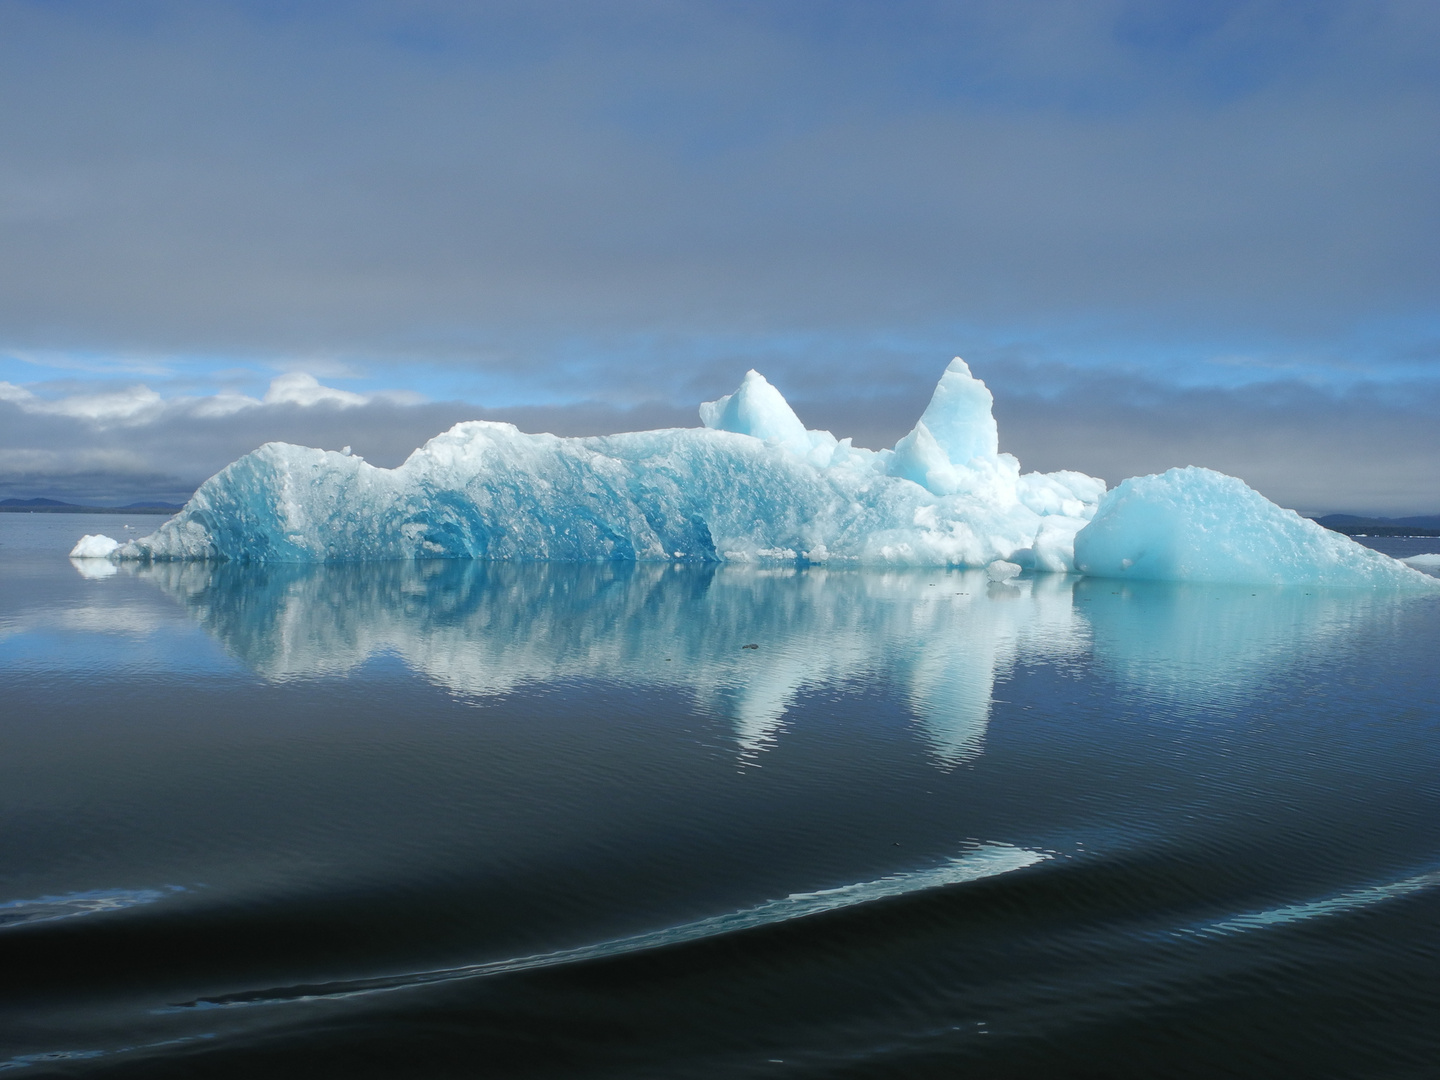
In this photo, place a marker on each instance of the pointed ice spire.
(955, 444)
(757, 409)
(960, 415)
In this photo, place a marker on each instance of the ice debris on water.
(1428, 563)
(96, 546)
(1000, 570)
(753, 485)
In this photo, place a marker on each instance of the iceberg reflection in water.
(481, 629)
(747, 642)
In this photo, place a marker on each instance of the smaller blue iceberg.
(1199, 525)
(752, 485)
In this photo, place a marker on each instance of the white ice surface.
(1198, 525)
(96, 546)
(1000, 570)
(754, 485)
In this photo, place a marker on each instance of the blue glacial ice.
(1203, 526)
(752, 485)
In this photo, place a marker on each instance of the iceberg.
(94, 546)
(751, 485)
(754, 485)
(1199, 525)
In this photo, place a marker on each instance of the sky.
(1202, 232)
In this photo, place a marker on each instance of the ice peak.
(960, 415)
(755, 408)
(955, 445)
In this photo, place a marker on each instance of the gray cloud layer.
(630, 203)
(428, 178)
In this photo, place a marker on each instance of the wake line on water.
(51, 1057)
(1339, 904)
(71, 905)
(987, 860)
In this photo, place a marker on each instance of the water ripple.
(1339, 904)
(71, 905)
(983, 861)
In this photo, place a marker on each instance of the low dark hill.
(54, 506)
(1354, 525)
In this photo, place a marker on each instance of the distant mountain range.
(55, 506)
(1352, 525)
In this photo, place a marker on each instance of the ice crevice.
(753, 484)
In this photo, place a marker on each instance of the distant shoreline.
(1382, 530)
(17, 506)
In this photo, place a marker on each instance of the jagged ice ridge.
(753, 485)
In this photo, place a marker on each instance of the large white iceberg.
(754, 485)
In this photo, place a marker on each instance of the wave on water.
(986, 860)
(1340, 904)
(69, 906)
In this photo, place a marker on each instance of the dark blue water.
(495, 820)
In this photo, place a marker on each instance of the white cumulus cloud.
(139, 405)
(134, 404)
(298, 388)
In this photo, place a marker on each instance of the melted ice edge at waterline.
(753, 485)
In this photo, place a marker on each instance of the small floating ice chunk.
(1426, 564)
(1000, 570)
(97, 546)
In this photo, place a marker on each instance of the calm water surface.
(454, 819)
